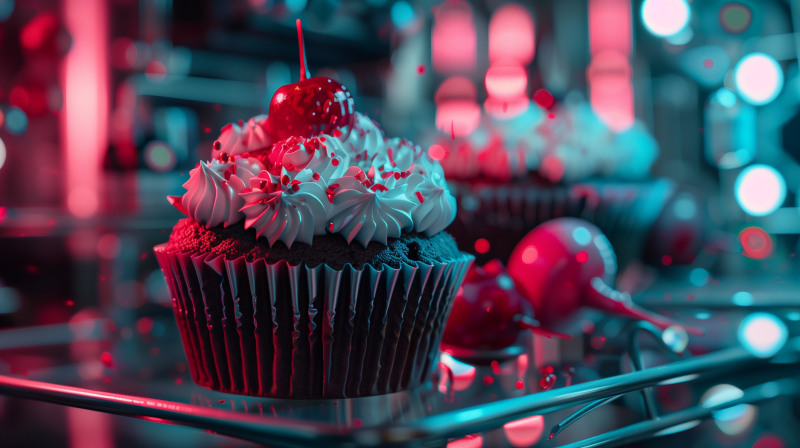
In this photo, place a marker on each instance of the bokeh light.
(735, 419)
(665, 17)
(582, 236)
(726, 98)
(755, 242)
(16, 121)
(735, 17)
(760, 190)
(524, 432)
(6, 8)
(758, 78)
(159, 156)
(529, 255)
(403, 14)
(763, 334)
(742, 298)
(699, 277)
(2, 153)
(676, 338)
(437, 152)
(482, 246)
(9, 300)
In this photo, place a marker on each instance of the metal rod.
(682, 420)
(491, 415)
(286, 432)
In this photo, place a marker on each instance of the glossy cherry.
(489, 312)
(567, 263)
(310, 107)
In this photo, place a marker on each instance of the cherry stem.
(303, 64)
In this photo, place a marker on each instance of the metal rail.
(294, 433)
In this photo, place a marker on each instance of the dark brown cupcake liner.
(297, 332)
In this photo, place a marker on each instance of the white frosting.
(280, 213)
(363, 186)
(210, 198)
(250, 137)
(366, 215)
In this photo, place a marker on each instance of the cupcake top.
(567, 143)
(352, 180)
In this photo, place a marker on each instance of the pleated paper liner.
(504, 214)
(298, 332)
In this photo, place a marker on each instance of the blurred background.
(673, 125)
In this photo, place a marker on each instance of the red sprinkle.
(315, 176)
(330, 226)
(379, 187)
(396, 175)
(217, 145)
(337, 133)
(335, 162)
(419, 196)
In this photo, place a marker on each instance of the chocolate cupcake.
(315, 266)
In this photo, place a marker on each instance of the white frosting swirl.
(238, 138)
(288, 213)
(365, 187)
(366, 215)
(210, 198)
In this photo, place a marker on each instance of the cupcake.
(313, 262)
(511, 175)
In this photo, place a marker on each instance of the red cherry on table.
(567, 263)
(488, 312)
(310, 107)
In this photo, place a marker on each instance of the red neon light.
(609, 74)
(506, 82)
(457, 111)
(85, 117)
(511, 36)
(453, 39)
(611, 89)
(610, 26)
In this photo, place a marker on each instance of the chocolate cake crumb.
(331, 249)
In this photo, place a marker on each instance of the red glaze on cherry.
(488, 311)
(567, 263)
(310, 107)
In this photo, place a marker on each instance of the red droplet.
(487, 380)
(582, 257)
(482, 246)
(335, 162)
(544, 98)
(315, 176)
(217, 145)
(520, 384)
(107, 360)
(421, 69)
